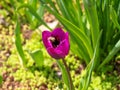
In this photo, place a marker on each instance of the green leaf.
(34, 22)
(79, 47)
(19, 44)
(86, 78)
(38, 57)
(40, 11)
(34, 13)
(91, 13)
(79, 15)
(51, 3)
(114, 17)
(64, 73)
(29, 18)
(63, 9)
(83, 39)
(115, 49)
(1, 79)
(107, 29)
(33, 3)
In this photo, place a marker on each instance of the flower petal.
(59, 33)
(67, 37)
(57, 54)
(45, 36)
(64, 47)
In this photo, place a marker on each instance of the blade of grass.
(79, 35)
(80, 48)
(32, 20)
(91, 14)
(114, 17)
(86, 78)
(106, 20)
(40, 11)
(1, 79)
(115, 4)
(118, 13)
(52, 4)
(70, 10)
(115, 49)
(33, 3)
(79, 12)
(63, 9)
(64, 74)
(19, 45)
(34, 13)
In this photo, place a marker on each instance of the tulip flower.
(56, 43)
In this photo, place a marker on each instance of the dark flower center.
(55, 41)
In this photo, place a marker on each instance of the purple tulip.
(56, 42)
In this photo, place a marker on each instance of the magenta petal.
(57, 54)
(45, 36)
(64, 47)
(67, 37)
(59, 33)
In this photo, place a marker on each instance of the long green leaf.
(91, 14)
(106, 20)
(115, 49)
(19, 44)
(71, 11)
(33, 3)
(114, 17)
(80, 48)
(85, 80)
(64, 74)
(63, 9)
(79, 14)
(34, 22)
(40, 11)
(1, 79)
(52, 4)
(32, 11)
(72, 48)
(78, 34)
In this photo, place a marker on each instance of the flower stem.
(69, 76)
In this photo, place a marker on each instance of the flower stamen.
(55, 41)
